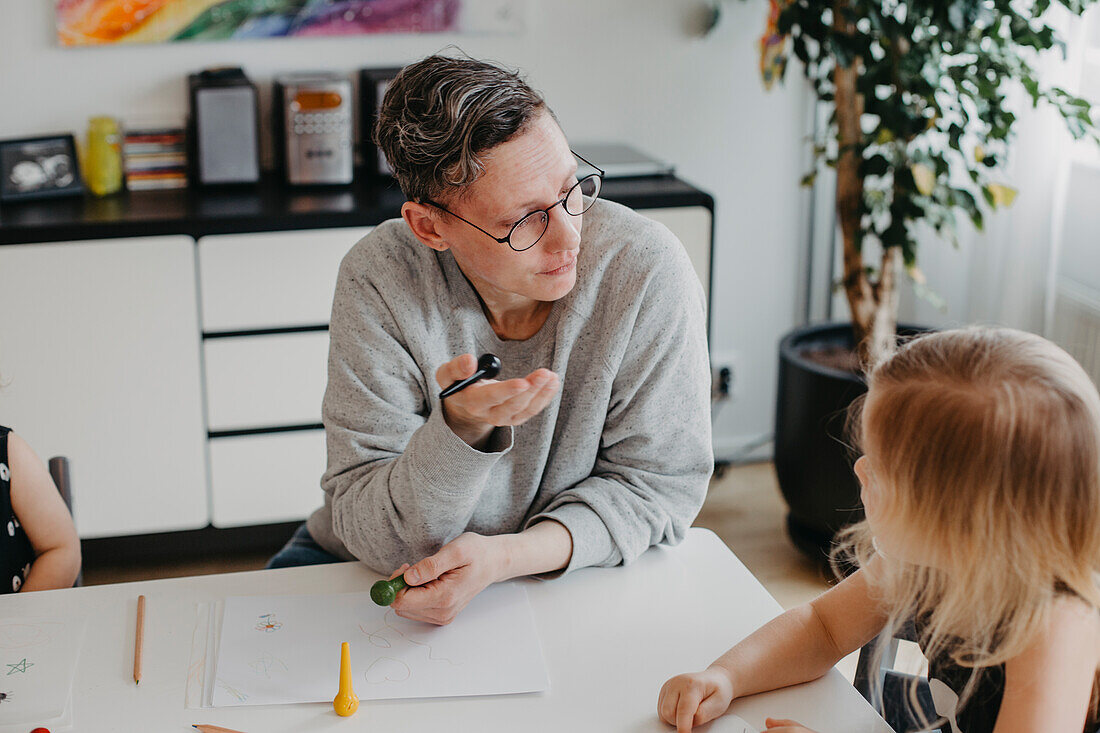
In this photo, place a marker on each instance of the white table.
(611, 637)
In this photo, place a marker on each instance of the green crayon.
(384, 591)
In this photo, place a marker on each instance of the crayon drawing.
(25, 636)
(268, 624)
(387, 669)
(491, 648)
(38, 660)
(267, 664)
(380, 637)
(20, 667)
(233, 691)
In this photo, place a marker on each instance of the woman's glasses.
(526, 232)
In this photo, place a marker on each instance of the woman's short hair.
(439, 116)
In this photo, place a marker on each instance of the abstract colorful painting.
(97, 22)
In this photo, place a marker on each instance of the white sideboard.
(184, 378)
(100, 361)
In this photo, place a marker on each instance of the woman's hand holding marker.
(443, 584)
(475, 411)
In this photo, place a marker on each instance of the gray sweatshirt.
(622, 454)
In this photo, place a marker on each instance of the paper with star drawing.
(37, 662)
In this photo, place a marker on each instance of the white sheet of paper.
(735, 724)
(37, 663)
(286, 649)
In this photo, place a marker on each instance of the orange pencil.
(214, 729)
(139, 638)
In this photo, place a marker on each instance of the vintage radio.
(313, 128)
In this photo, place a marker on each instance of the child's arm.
(40, 509)
(801, 645)
(1048, 686)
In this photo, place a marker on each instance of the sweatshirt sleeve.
(401, 483)
(655, 457)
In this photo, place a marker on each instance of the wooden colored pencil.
(214, 729)
(139, 638)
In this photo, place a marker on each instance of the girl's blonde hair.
(986, 444)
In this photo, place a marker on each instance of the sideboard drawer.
(271, 280)
(266, 478)
(265, 381)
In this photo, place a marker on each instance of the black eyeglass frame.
(507, 239)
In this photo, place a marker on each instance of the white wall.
(627, 70)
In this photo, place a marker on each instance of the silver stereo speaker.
(224, 127)
(313, 126)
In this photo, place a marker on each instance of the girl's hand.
(785, 726)
(688, 700)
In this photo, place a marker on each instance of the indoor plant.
(919, 125)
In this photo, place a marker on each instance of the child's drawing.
(379, 637)
(237, 694)
(20, 667)
(266, 664)
(24, 635)
(37, 662)
(376, 638)
(387, 669)
(268, 624)
(492, 648)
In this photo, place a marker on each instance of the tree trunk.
(882, 341)
(873, 305)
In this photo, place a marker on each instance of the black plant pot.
(813, 460)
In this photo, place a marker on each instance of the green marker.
(384, 591)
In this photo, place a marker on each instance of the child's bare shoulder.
(27, 469)
(20, 452)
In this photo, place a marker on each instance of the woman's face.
(529, 172)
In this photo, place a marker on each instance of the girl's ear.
(862, 471)
(423, 224)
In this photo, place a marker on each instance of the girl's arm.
(1049, 685)
(45, 518)
(801, 645)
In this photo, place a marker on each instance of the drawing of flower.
(268, 624)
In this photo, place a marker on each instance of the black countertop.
(267, 206)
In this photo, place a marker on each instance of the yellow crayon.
(345, 703)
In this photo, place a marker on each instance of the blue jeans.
(301, 549)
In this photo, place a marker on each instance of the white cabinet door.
(269, 477)
(271, 279)
(692, 225)
(99, 361)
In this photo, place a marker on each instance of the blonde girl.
(980, 476)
